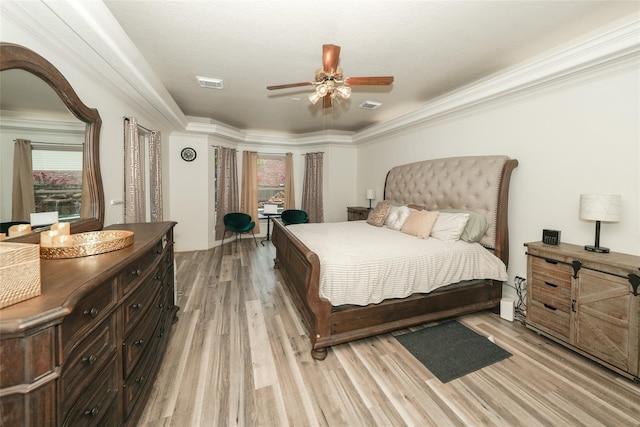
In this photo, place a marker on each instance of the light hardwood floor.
(239, 355)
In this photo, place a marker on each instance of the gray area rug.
(450, 350)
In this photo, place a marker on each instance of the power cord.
(521, 292)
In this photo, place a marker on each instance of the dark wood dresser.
(87, 350)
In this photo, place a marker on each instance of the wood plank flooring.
(239, 355)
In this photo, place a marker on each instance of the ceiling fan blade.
(374, 81)
(326, 101)
(290, 85)
(330, 57)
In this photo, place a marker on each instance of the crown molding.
(604, 50)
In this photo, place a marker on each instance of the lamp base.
(598, 249)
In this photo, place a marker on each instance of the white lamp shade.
(371, 194)
(600, 207)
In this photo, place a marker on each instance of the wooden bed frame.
(329, 325)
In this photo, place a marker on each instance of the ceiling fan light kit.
(329, 81)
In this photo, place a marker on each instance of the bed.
(475, 184)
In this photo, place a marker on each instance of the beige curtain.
(289, 190)
(155, 180)
(312, 187)
(226, 186)
(134, 196)
(249, 194)
(23, 201)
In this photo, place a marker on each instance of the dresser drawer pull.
(93, 312)
(553, 285)
(136, 272)
(136, 305)
(92, 412)
(550, 307)
(90, 360)
(158, 278)
(140, 380)
(160, 306)
(138, 342)
(551, 261)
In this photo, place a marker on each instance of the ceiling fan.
(329, 81)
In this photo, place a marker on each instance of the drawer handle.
(553, 285)
(551, 261)
(92, 412)
(93, 312)
(139, 342)
(160, 306)
(550, 307)
(90, 360)
(136, 272)
(158, 277)
(139, 380)
(136, 305)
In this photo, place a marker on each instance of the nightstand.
(357, 213)
(586, 301)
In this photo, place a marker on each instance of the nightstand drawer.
(553, 272)
(549, 319)
(549, 293)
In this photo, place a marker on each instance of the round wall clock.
(188, 154)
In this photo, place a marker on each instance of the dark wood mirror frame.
(14, 56)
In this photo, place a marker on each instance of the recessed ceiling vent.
(210, 83)
(370, 105)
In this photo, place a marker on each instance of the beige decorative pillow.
(379, 214)
(420, 223)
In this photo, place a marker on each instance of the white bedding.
(362, 264)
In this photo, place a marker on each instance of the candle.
(19, 230)
(63, 240)
(46, 238)
(61, 227)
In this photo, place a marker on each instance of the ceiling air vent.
(210, 83)
(370, 105)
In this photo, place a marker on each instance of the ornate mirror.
(17, 59)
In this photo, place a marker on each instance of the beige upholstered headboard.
(471, 183)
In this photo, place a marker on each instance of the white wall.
(578, 135)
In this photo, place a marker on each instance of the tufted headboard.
(476, 183)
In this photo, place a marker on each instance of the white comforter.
(362, 264)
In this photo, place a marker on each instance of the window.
(271, 178)
(57, 179)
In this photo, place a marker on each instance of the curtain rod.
(139, 125)
(59, 144)
(317, 152)
(258, 152)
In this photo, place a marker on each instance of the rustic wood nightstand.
(586, 301)
(357, 213)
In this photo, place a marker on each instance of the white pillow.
(449, 226)
(397, 216)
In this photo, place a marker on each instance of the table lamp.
(599, 207)
(371, 194)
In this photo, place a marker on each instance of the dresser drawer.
(139, 269)
(140, 378)
(141, 301)
(550, 294)
(144, 333)
(87, 313)
(92, 406)
(87, 359)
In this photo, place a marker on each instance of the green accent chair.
(238, 223)
(294, 216)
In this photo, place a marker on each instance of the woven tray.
(92, 243)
